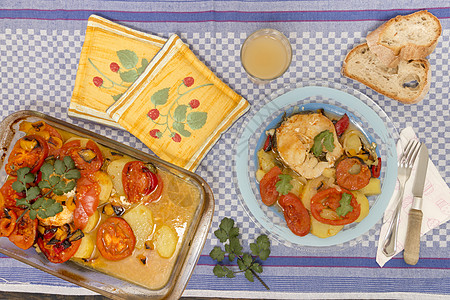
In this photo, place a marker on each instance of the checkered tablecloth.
(40, 45)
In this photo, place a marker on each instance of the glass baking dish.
(109, 286)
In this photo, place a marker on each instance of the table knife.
(412, 243)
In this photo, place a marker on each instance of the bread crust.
(390, 55)
(425, 83)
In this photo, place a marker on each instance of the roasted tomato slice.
(376, 169)
(85, 153)
(325, 206)
(50, 134)
(10, 195)
(58, 251)
(156, 193)
(115, 239)
(352, 174)
(30, 151)
(87, 199)
(267, 188)
(295, 214)
(24, 233)
(342, 124)
(139, 182)
(7, 221)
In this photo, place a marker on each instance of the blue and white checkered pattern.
(38, 69)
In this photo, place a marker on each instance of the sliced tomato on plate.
(267, 188)
(352, 174)
(376, 169)
(115, 239)
(295, 214)
(29, 151)
(342, 124)
(139, 183)
(24, 233)
(326, 207)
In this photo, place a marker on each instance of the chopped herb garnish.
(284, 185)
(323, 139)
(58, 178)
(345, 206)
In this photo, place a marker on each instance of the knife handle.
(412, 244)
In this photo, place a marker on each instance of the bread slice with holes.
(408, 82)
(413, 36)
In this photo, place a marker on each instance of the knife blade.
(412, 243)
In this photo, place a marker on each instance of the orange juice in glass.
(265, 55)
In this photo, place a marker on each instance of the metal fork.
(404, 171)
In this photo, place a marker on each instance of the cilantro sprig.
(284, 186)
(345, 206)
(323, 139)
(58, 178)
(247, 263)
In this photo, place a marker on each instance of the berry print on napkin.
(178, 107)
(112, 58)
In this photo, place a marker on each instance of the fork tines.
(410, 152)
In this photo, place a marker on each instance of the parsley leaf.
(261, 248)
(228, 234)
(249, 275)
(222, 271)
(257, 268)
(18, 186)
(68, 161)
(226, 230)
(345, 206)
(217, 253)
(46, 170)
(22, 172)
(323, 139)
(284, 185)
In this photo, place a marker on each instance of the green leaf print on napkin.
(179, 115)
(128, 71)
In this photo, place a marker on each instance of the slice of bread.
(408, 82)
(407, 37)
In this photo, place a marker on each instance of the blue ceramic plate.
(334, 98)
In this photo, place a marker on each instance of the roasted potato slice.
(86, 247)
(140, 219)
(106, 185)
(114, 170)
(324, 230)
(92, 222)
(165, 241)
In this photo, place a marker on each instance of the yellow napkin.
(178, 107)
(112, 58)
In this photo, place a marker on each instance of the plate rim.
(289, 97)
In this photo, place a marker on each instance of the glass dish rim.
(194, 240)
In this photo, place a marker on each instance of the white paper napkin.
(435, 208)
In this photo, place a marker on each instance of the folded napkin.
(435, 208)
(112, 58)
(178, 107)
